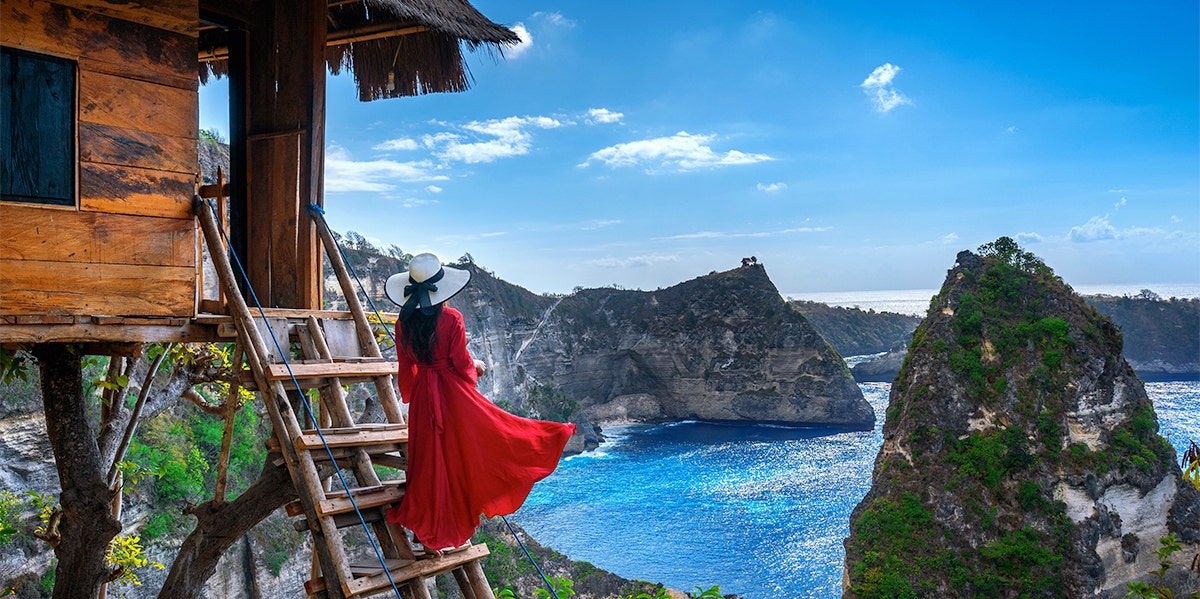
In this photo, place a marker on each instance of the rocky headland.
(722, 347)
(1021, 455)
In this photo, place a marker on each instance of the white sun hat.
(424, 285)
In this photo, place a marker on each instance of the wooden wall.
(129, 246)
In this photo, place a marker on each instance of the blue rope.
(307, 407)
(320, 212)
(531, 560)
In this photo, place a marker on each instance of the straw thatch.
(395, 48)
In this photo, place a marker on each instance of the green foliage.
(888, 534)
(549, 403)
(563, 588)
(278, 541)
(14, 366)
(10, 512)
(713, 592)
(126, 557)
(1169, 545)
(989, 456)
(180, 450)
(1191, 465)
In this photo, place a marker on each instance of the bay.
(759, 510)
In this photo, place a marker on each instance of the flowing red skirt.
(466, 456)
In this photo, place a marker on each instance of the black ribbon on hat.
(417, 293)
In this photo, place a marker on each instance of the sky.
(848, 146)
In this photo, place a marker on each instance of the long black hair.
(419, 333)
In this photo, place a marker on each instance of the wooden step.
(354, 436)
(369, 515)
(337, 502)
(402, 572)
(280, 372)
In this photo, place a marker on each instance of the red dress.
(466, 456)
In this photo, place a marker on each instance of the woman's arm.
(406, 377)
(459, 356)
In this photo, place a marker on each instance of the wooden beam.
(339, 38)
(21, 334)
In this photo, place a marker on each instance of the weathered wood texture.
(181, 16)
(36, 287)
(101, 43)
(274, 213)
(286, 96)
(128, 248)
(128, 190)
(31, 233)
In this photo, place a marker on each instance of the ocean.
(759, 510)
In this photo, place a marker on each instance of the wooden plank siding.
(101, 43)
(129, 246)
(31, 233)
(36, 287)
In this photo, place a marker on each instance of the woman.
(466, 456)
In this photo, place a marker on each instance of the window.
(37, 128)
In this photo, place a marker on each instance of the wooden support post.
(478, 581)
(464, 584)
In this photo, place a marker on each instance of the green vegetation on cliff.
(976, 441)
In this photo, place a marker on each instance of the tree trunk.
(87, 526)
(218, 527)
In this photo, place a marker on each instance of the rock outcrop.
(1021, 455)
(856, 332)
(720, 347)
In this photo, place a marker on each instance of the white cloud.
(509, 137)
(1028, 238)
(403, 143)
(1120, 203)
(771, 187)
(343, 173)
(632, 261)
(878, 87)
(555, 19)
(433, 189)
(521, 47)
(1096, 229)
(598, 116)
(949, 238)
(680, 152)
(1011, 129)
(1176, 219)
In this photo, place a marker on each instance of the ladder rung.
(279, 372)
(403, 572)
(352, 436)
(369, 515)
(364, 497)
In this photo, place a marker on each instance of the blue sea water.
(759, 510)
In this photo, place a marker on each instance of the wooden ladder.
(336, 352)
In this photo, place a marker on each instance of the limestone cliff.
(1021, 455)
(720, 347)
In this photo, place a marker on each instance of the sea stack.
(1021, 455)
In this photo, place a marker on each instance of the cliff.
(1162, 337)
(856, 332)
(720, 347)
(1021, 455)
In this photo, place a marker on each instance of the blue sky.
(846, 145)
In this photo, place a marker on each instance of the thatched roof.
(395, 48)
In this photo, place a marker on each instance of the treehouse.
(105, 233)
(98, 148)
